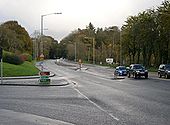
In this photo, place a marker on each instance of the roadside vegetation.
(18, 65)
(17, 50)
(25, 69)
(144, 38)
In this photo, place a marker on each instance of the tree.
(83, 39)
(164, 31)
(15, 38)
(147, 34)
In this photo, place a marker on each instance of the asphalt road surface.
(92, 97)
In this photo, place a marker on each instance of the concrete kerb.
(25, 77)
(61, 84)
(30, 77)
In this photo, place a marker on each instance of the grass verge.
(152, 69)
(25, 69)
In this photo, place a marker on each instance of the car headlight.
(137, 71)
(168, 71)
(146, 70)
(120, 71)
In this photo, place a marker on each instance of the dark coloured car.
(137, 71)
(164, 70)
(120, 71)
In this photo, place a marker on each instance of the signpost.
(80, 64)
(42, 56)
(109, 60)
(44, 78)
(1, 53)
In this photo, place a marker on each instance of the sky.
(75, 13)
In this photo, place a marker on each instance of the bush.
(26, 57)
(12, 58)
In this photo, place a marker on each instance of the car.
(120, 71)
(137, 71)
(164, 70)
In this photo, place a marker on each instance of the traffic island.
(34, 82)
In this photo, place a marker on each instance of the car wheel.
(146, 76)
(128, 75)
(166, 76)
(159, 75)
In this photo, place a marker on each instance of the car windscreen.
(138, 67)
(122, 68)
(168, 67)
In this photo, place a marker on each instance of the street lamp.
(116, 34)
(93, 40)
(75, 51)
(42, 20)
(42, 16)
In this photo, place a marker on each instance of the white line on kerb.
(115, 118)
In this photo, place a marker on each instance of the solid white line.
(115, 118)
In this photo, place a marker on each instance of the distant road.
(93, 97)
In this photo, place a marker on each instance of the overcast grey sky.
(75, 13)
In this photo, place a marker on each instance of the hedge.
(12, 58)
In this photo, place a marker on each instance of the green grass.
(25, 69)
(152, 69)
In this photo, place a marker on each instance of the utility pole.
(1, 54)
(93, 40)
(121, 57)
(88, 54)
(93, 51)
(75, 52)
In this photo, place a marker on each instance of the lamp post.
(93, 51)
(1, 56)
(88, 53)
(42, 16)
(93, 40)
(113, 42)
(121, 57)
(42, 20)
(116, 35)
(75, 51)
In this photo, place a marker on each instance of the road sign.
(45, 81)
(42, 56)
(44, 77)
(44, 73)
(109, 60)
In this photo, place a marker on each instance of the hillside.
(14, 38)
(25, 69)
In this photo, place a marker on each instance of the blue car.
(120, 71)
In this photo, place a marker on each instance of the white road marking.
(112, 116)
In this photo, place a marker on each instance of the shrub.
(26, 57)
(12, 58)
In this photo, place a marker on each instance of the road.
(92, 97)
